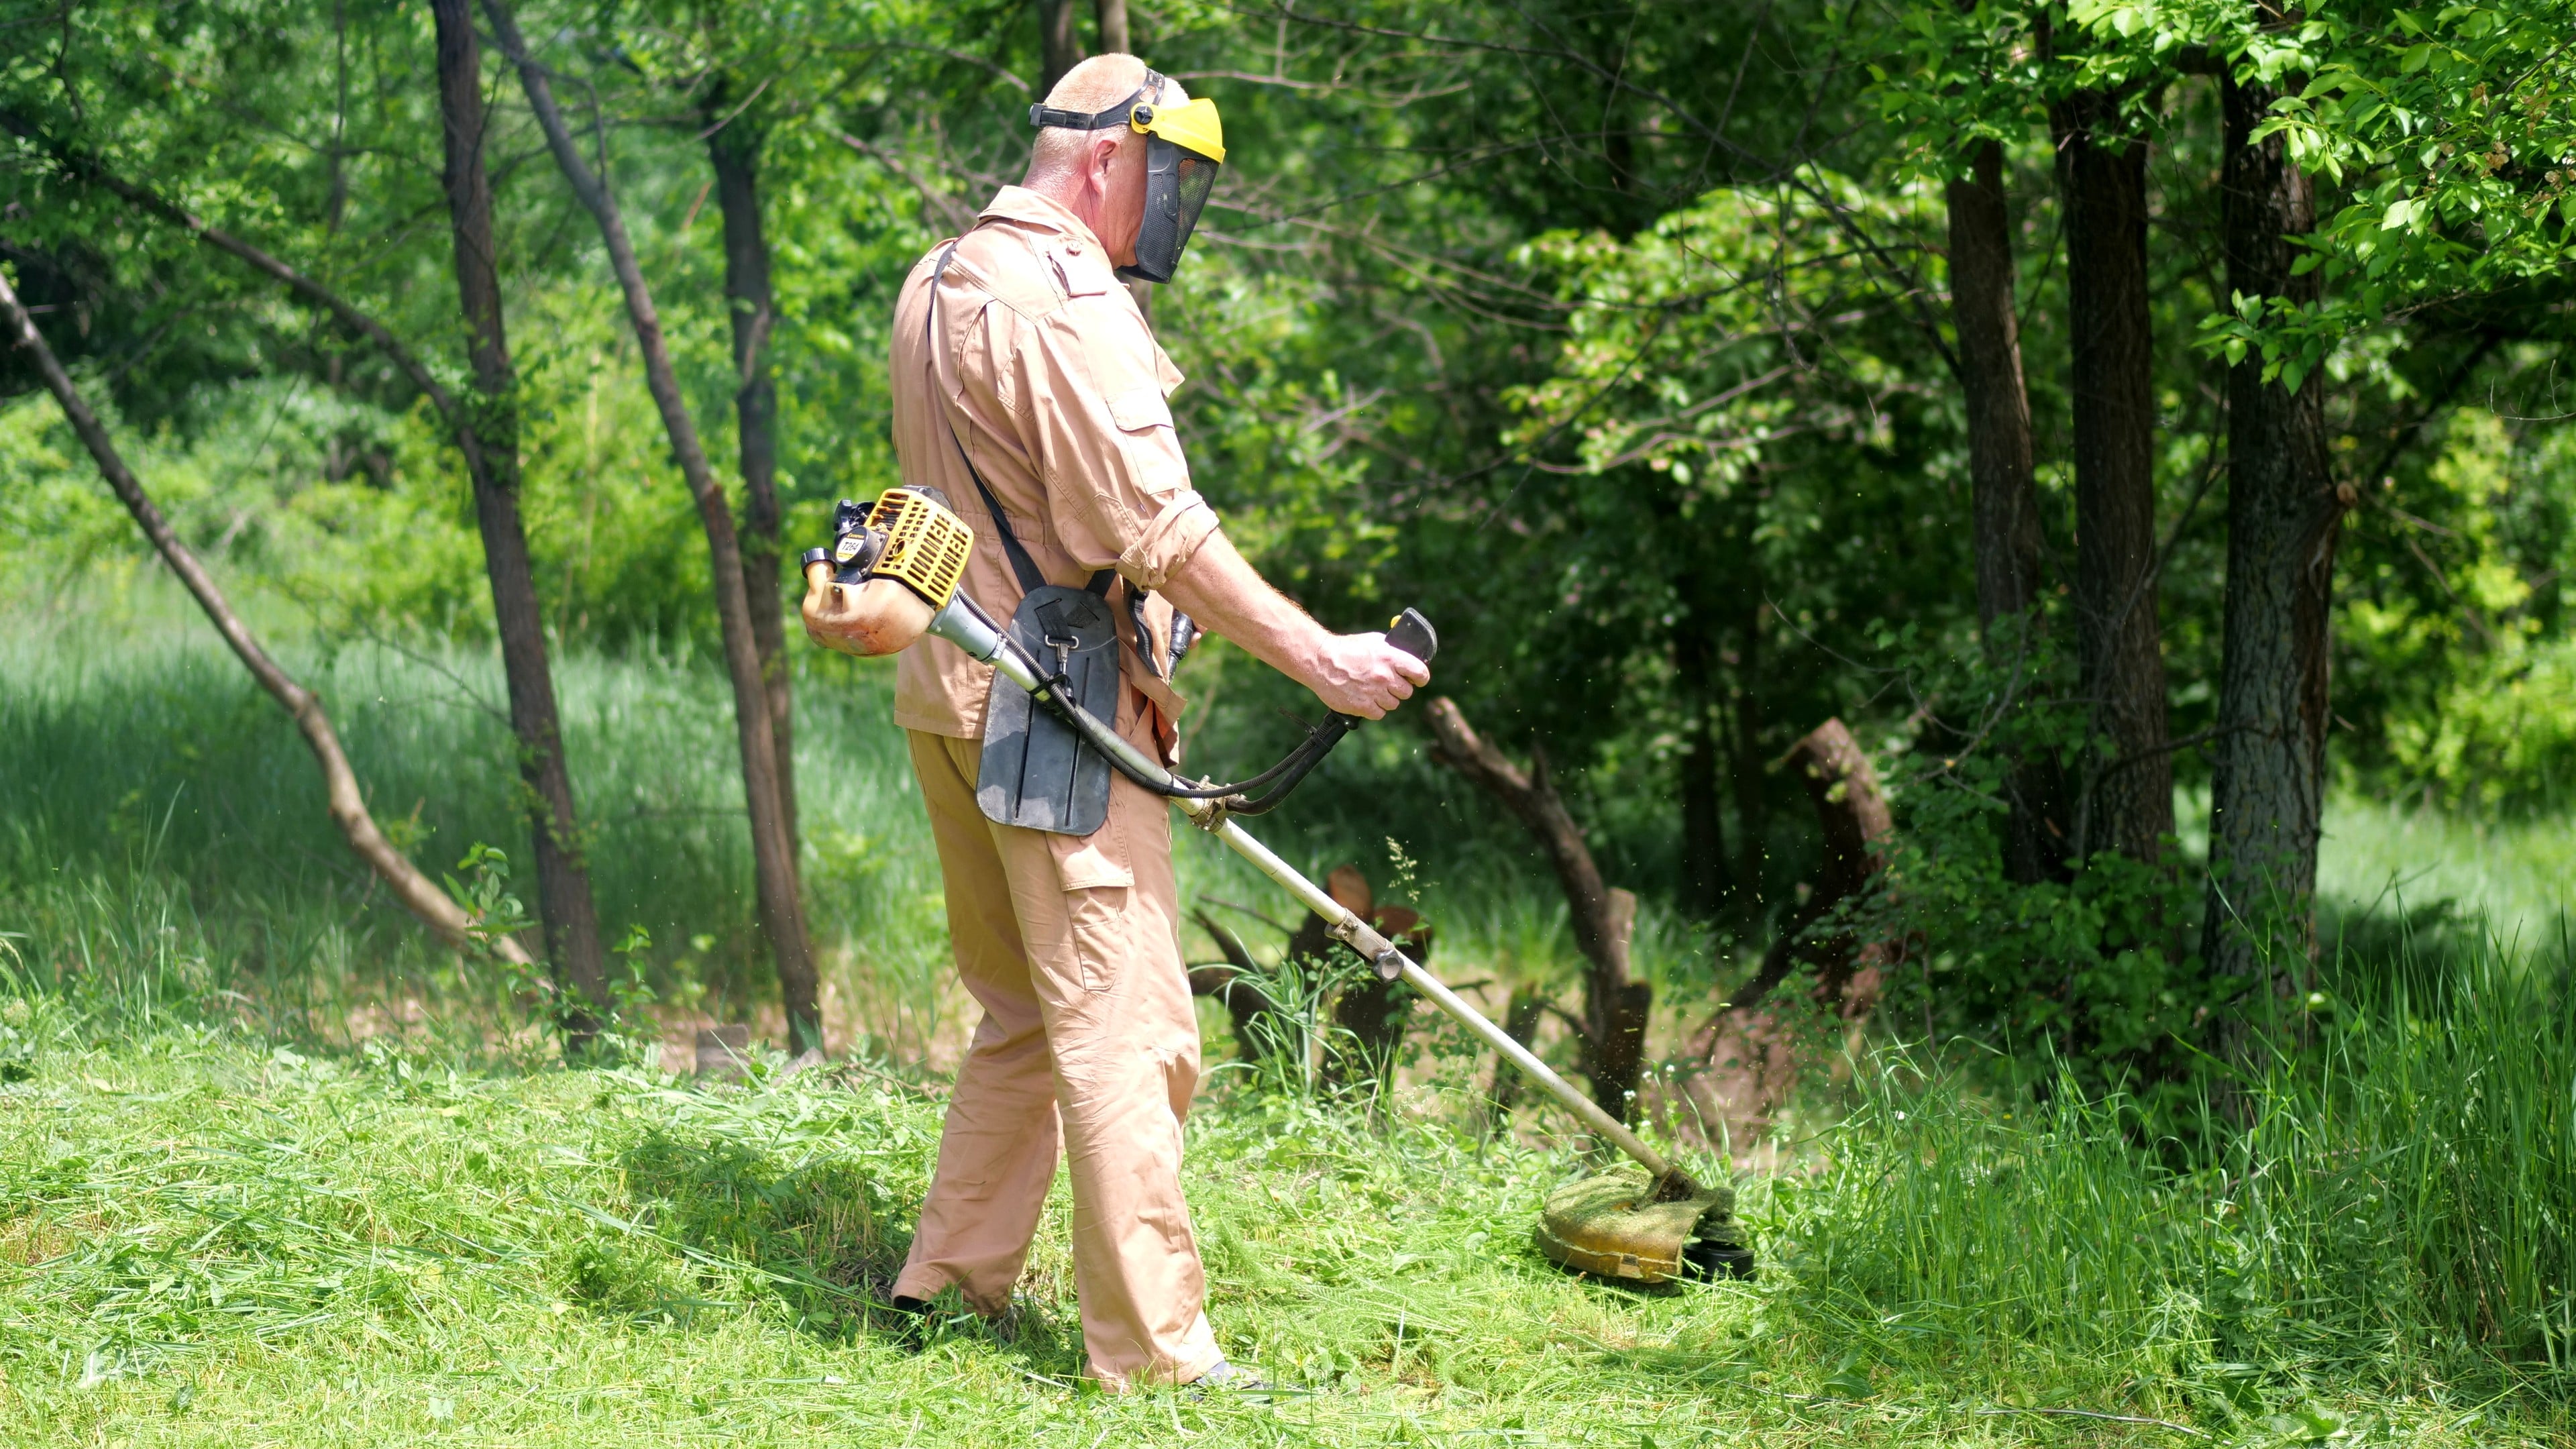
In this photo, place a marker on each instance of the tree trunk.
(1704, 874)
(2283, 521)
(1616, 1008)
(1113, 27)
(1752, 810)
(2006, 503)
(782, 912)
(1059, 43)
(735, 151)
(348, 805)
(564, 903)
(2102, 177)
(1704, 866)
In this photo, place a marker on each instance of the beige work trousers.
(1072, 948)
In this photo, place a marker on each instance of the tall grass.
(145, 746)
(145, 785)
(2395, 1200)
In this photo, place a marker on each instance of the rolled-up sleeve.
(1095, 417)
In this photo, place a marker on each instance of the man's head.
(1112, 175)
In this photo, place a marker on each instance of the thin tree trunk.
(782, 914)
(1616, 1007)
(2283, 521)
(2006, 503)
(1113, 27)
(1695, 664)
(1059, 42)
(2102, 176)
(348, 805)
(1704, 873)
(1752, 810)
(735, 152)
(564, 902)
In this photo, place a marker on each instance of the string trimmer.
(891, 576)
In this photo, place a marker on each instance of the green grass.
(204, 1240)
(2513, 876)
(143, 779)
(238, 1206)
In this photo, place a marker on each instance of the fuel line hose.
(1409, 631)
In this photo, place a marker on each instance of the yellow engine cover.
(926, 545)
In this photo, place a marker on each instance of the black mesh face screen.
(1197, 179)
(1177, 184)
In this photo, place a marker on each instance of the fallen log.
(1616, 1006)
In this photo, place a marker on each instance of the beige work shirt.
(1059, 393)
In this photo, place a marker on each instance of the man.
(1025, 381)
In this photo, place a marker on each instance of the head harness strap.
(1137, 109)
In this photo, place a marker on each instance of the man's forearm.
(1357, 674)
(1220, 591)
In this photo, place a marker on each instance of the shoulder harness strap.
(1023, 566)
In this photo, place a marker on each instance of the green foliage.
(2445, 128)
(2085, 979)
(2455, 632)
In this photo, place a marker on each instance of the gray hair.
(1094, 85)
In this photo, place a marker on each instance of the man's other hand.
(1362, 674)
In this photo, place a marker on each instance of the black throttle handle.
(1413, 634)
(1408, 631)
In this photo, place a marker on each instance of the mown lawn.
(207, 1241)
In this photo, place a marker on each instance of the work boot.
(1229, 1378)
(912, 1333)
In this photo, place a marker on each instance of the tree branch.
(348, 805)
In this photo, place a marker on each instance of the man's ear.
(1104, 155)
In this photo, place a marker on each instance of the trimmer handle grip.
(1413, 634)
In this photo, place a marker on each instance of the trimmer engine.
(891, 569)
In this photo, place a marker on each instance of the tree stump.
(1747, 1051)
(723, 1051)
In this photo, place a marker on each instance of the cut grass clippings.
(208, 1241)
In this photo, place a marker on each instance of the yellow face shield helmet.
(1184, 145)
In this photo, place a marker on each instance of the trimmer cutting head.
(1638, 1229)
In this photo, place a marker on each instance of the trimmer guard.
(1609, 1227)
(1037, 773)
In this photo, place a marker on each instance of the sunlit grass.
(208, 1241)
(2517, 874)
(225, 1217)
